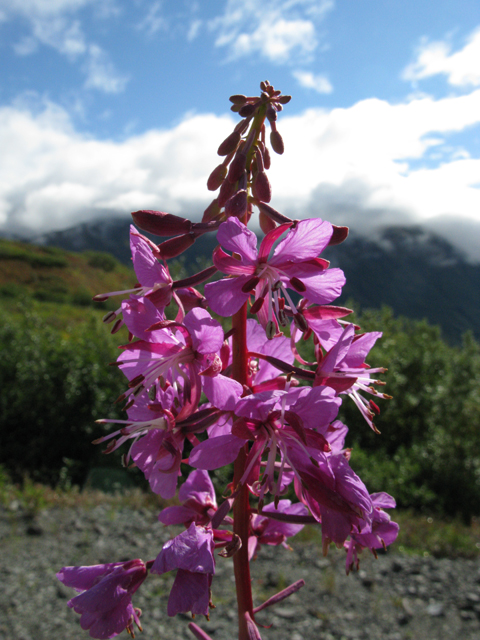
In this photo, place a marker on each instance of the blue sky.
(115, 105)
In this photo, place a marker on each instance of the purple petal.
(190, 592)
(109, 624)
(236, 237)
(383, 501)
(269, 240)
(139, 314)
(176, 515)
(321, 287)
(336, 355)
(225, 297)
(221, 391)
(318, 408)
(328, 332)
(83, 578)
(288, 529)
(360, 348)
(191, 550)
(197, 485)
(304, 242)
(206, 333)
(147, 268)
(216, 452)
(230, 265)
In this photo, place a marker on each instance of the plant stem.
(241, 508)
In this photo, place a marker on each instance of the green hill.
(50, 274)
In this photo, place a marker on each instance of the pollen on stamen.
(257, 305)
(109, 317)
(270, 330)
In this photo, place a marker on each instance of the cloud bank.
(366, 165)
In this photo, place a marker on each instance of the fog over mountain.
(414, 271)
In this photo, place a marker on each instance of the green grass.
(419, 534)
(422, 535)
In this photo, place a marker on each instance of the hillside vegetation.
(53, 275)
(56, 382)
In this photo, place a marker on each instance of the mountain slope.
(416, 273)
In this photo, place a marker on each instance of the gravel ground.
(393, 598)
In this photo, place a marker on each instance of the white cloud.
(53, 23)
(154, 21)
(280, 30)
(319, 83)
(101, 73)
(462, 68)
(355, 165)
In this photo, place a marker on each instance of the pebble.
(395, 597)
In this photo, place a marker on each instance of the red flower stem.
(241, 507)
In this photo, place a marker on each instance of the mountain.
(415, 272)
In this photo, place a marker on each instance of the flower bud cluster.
(197, 393)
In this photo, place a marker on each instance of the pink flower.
(153, 277)
(294, 265)
(191, 553)
(187, 351)
(343, 368)
(198, 499)
(266, 530)
(158, 432)
(272, 420)
(105, 603)
(376, 535)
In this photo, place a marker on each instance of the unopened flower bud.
(272, 213)
(261, 188)
(247, 110)
(237, 167)
(160, 223)
(236, 206)
(284, 99)
(216, 178)
(264, 84)
(238, 99)
(241, 126)
(229, 144)
(271, 113)
(226, 192)
(339, 235)
(175, 246)
(266, 158)
(259, 157)
(211, 211)
(276, 141)
(266, 223)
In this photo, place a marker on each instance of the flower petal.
(235, 236)
(303, 242)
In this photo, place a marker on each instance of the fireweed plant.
(245, 396)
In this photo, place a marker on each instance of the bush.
(428, 454)
(55, 384)
(101, 260)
